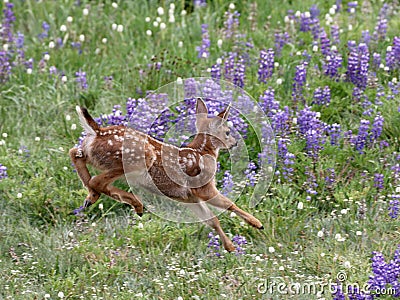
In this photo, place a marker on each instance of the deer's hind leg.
(79, 162)
(103, 184)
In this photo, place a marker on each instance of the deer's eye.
(228, 133)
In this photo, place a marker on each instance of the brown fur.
(183, 174)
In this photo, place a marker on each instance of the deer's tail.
(89, 125)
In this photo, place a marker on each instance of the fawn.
(184, 174)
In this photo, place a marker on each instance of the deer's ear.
(201, 107)
(201, 115)
(225, 113)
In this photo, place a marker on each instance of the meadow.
(325, 73)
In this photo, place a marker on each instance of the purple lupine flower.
(314, 142)
(313, 130)
(3, 172)
(307, 57)
(311, 183)
(281, 39)
(266, 64)
(204, 49)
(334, 132)
(280, 122)
(381, 24)
(268, 150)
(200, 3)
(5, 66)
(325, 44)
(216, 71)
(338, 5)
(152, 115)
(396, 50)
(390, 58)
(250, 173)
(24, 150)
(330, 179)
(239, 73)
(214, 244)
(78, 211)
(377, 127)
(52, 70)
(268, 102)
(231, 23)
(376, 60)
(385, 274)
(315, 28)
(338, 292)
(314, 11)
(395, 172)
(352, 45)
(45, 32)
(6, 37)
(367, 106)
(230, 66)
(363, 64)
(357, 94)
(19, 41)
(305, 22)
(352, 5)
(358, 65)
(326, 93)
(308, 22)
(307, 119)
(354, 293)
(384, 12)
(378, 181)
(332, 63)
(299, 82)
(227, 183)
(380, 93)
(335, 34)
(7, 25)
(322, 96)
(362, 138)
(81, 79)
(115, 118)
(190, 88)
(366, 37)
(393, 207)
(394, 88)
(285, 159)
(240, 241)
(60, 42)
(77, 45)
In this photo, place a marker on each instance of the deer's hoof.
(87, 203)
(140, 214)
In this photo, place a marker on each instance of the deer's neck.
(202, 142)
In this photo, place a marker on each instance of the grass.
(111, 252)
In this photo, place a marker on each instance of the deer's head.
(216, 128)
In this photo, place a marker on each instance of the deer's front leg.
(215, 198)
(207, 216)
(79, 162)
